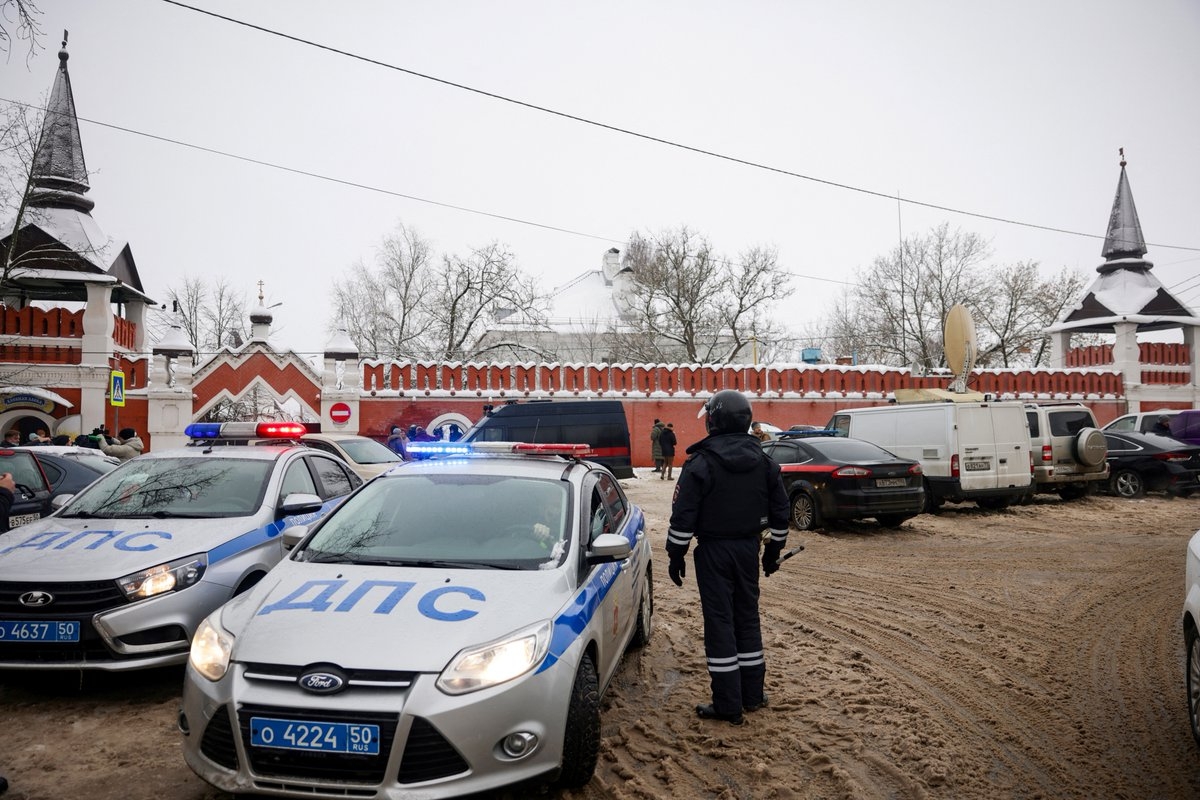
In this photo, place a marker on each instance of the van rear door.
(993, 447)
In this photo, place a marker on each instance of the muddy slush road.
(1030, 653)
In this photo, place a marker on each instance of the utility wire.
(647, 137)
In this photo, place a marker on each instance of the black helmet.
(728, 411)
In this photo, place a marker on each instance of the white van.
(968, 450)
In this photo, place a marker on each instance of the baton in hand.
(785, 556)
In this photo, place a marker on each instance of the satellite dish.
(958, 342)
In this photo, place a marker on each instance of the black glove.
(677, 568)
(770, 558)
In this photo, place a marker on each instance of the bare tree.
(894, 315)
(21, 16)
(413, 305)
(690, 303)
(1013, 310)
(211, 314)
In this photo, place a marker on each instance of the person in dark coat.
(729, 491)
(397, 442)
(667, 441)
(656, 445)
(7, 487)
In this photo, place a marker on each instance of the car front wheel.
(645, 617)
(804, 511)
(1128, 483)
(1192, 641)
(581, 742)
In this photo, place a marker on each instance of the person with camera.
(128, 445)
(729, 491)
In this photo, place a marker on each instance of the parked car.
(1068, 449)
(70, 470)
(120, 576)
(448, 630)
(365, 456)
(1191, 633)
(1139, 422)
(31, 500)
(1146, 462)
(600, 423)
(831, 477)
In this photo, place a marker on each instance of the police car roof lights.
(244, 430)
(515, 448)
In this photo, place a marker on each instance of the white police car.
(120, 576)
(449, 629)
(1191, 633)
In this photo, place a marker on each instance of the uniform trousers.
(727, 577)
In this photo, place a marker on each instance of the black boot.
(706, 711)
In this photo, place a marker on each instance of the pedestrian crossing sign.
(116, 388)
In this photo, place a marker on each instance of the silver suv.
(1069, 451)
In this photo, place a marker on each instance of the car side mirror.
(58, 501)
(608, 547)
(294, 535)
(300, 503)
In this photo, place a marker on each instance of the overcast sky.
(1013, 110)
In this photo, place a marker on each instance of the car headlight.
(211, 648)
(495, 662)
(168, 577)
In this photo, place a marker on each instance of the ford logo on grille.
(322, 680)
(35, 599)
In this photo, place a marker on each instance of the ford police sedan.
(121, 575)
(447, 630)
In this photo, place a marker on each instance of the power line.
(644, 136)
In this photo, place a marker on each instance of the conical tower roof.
(58, 248)
(1125, 290)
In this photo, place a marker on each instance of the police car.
(120, 576)
(447, 630)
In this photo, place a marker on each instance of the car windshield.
(175, 487)
(449, 520)
(367, 451)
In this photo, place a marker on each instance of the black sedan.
(832, 478)
(69, 470)
(1147, 462)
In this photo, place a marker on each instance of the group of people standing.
(126, 445)
(662, 446)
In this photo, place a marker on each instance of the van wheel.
(804, 511)
(581, 741)
(1127, 483)
(932, 501)
(993, 503)
(892, 520)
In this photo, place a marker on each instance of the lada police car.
(450, 628)
(121, 575)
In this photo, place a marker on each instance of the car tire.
(1127, 483)
(1191, 656)
(645, 614)
(994, 503)
(581, 740)
(1090, 447)
(804, 511)
(892, 520)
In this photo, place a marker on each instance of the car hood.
(58, 549)
(397, 618)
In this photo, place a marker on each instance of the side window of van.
(1033, 423)
(841, 424)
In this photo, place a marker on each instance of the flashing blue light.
(203, 430)
(439, 448)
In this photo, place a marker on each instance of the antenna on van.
(959, 345)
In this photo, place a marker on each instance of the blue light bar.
(203, 430)
(439, 448)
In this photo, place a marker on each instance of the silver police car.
(121, 575)
(449, 629)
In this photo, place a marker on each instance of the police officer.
(728, 492)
